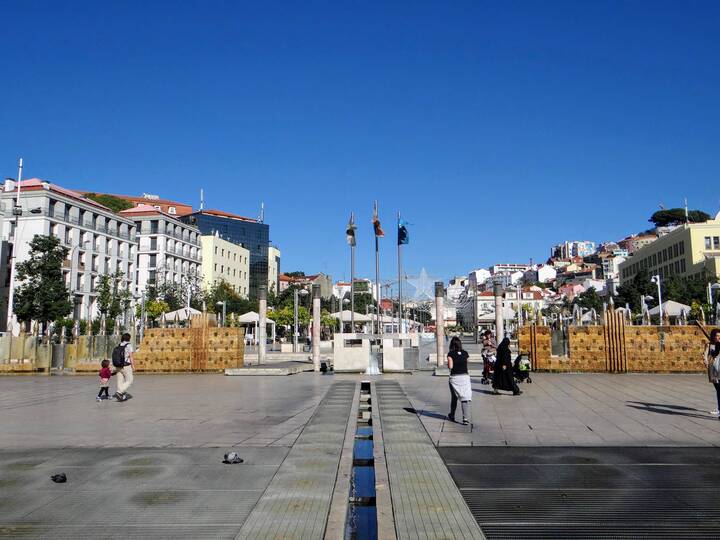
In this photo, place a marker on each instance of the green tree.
(630, 292)
(676, 216)
(42, 295)
(295, 274)
(112, 297)
(223, 292)
(685, 290)
(116, 204)
(589, 299)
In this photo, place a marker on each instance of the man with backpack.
(122, 360)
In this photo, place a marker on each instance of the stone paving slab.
(131, 492)
(575, 410)
(426, 502)
(297, 502)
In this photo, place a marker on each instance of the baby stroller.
(522, 368)
(488, 367)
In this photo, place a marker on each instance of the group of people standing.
(460, 386)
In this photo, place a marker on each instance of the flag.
(376, 222)
(350, 232)
(403, 235)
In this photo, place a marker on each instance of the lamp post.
(298, 292)
(352, 317)
(656, 280)
(224, 311)
(17, 212)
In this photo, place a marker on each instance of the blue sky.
(497, 129)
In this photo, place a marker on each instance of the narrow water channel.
(361, 522)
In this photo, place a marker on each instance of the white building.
(169, 250)
(273, 270)
(456, 288)
(226, 261)
(573, 248)
(99, 241)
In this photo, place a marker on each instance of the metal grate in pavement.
(589, 493)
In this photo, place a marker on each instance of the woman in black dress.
(503, 375)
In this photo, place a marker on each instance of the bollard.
(499, 327)
(316, 326)
(262, 323)
(440, 322)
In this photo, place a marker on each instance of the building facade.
(690, 250)
(173, 208)
(252, 234)
(99, 241)
(169, 251)
(274, 270)
(573, 248)
(225, 261)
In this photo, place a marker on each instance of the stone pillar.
(440, 322)
(262, 326)
(316, 326)
(499, 326)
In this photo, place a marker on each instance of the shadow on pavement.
(674, 410)
(426, 413)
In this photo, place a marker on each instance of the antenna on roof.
(687, 217)
(202, 199)
(261, 219)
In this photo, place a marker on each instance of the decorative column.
(262, 324)
(499, 327)
(316, 326)
(440, 322)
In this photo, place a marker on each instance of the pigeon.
(231, 458)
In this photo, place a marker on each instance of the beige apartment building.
(690, 250)
(227, 261)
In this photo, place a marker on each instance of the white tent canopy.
(253, 317)
(359, 317)
(672, 308)
(182, 314)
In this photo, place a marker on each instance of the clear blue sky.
(497, 129)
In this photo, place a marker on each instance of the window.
(222, 269)
(154, 227)
(676, 250)
(682, 266)
(153, 261)
(215, 265)
(654, 259)
(682, 247)
(216, 250)
(66, 215)
(53, 204)
(716, 242)
(677, 267)
(68, 235)
(708, 245)
(222, 254)
(153, 243)
(171, 210)
(151, 276)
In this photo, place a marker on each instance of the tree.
(113, 299)
(630, 292)
(223, 292)
(676, 216)
(589, 299)
(42, 295)
(685, 290)
(155, 308)
(116, 204)
(295, 274)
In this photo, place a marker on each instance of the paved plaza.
(151, 467)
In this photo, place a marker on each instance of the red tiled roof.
(134, 198)
(36, 184)
(146, 210)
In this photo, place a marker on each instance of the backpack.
(118, 356)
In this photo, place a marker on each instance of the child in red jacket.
(105, 375)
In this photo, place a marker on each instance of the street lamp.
(302, 292)
(224, 306)
(656, 280)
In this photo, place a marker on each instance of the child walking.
(105, 375)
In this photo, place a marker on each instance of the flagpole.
(377, 276)
(400, 303)
(352, 283)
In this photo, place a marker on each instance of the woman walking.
(711, 358)
(503, 375)
(460, 388)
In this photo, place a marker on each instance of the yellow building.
(224, 260)
(690, 250)
(273, 269)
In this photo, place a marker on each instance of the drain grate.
(589, 493)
